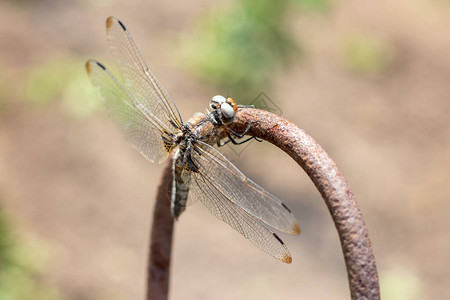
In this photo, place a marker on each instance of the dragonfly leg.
(233, 141)
(220, 144)
(244, 133)
(214, 119)
(239, 136)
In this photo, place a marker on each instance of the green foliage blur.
(313, 5)
(19, 268)
(366, 55)
(63, 79)
(239, 47)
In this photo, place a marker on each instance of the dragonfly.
(151, 122)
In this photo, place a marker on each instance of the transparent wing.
(240, 190)
(218, 203)
(137, 77)
(140, 127)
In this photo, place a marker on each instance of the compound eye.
(227, 113)
(232, 103)
(217, 101)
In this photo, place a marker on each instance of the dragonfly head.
(226, 106)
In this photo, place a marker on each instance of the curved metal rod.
(347, 217)
(161, 239)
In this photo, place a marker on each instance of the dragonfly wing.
(140, 127)
(136, 75)
(218, 203)
(242, 191)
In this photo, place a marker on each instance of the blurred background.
(369, 80)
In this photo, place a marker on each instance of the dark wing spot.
(88, 67)
(276, 236)
(101, 66)
(284, 205)
(121, 25)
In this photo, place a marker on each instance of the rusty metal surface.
(347, 217)
(161, 240)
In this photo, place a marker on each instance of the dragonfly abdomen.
(180, 189)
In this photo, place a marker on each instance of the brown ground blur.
(84, 197)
